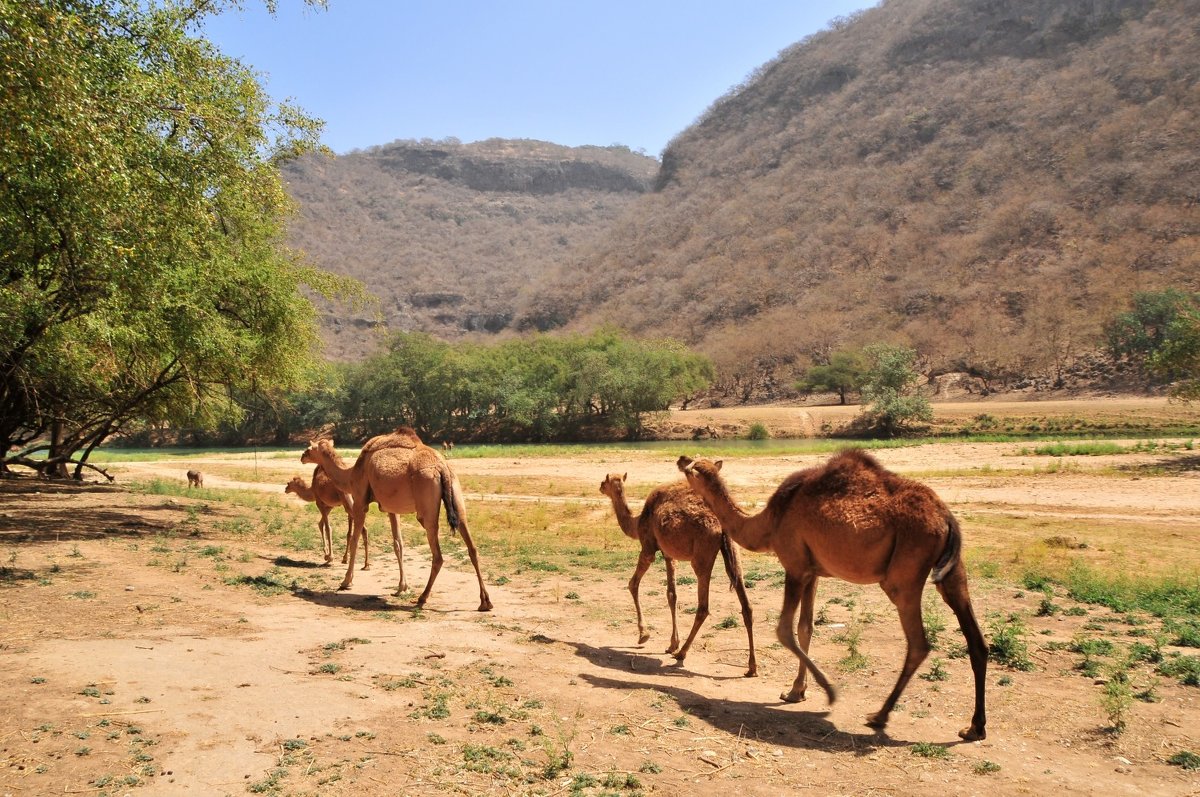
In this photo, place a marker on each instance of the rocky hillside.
(986, 181)
(446, 234)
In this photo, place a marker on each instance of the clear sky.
(573, 72)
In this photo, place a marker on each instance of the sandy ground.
(130, 664)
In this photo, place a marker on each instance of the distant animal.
(675, 520)
(195, 478)
(852, 519)
(447, 445)
(402, 475)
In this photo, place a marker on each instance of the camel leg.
(783, 631)
(398, 547)
(643, 564)
(807, 589)
(349, 531)
(435, 552)
(326, 533)
(485, 602)
(907, 600)
(359, 523)
(953, 589)
(703, 571)
(672, 596)
(739, 587)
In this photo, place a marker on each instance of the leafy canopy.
(143, 273)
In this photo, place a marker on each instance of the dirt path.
(130, 659)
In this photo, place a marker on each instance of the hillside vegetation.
(446, 234)
(986, 182)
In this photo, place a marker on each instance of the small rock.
(129, 588)
(1123, 760)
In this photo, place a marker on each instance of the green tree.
(143, 271)
(890, 387)
(843, 374)
(1161, 335)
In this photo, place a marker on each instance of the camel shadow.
(777, 723)
(642, 662)
(1169, 465)
(287, 561)
(351, 600)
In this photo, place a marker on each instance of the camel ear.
(625, 476)
(717, 465)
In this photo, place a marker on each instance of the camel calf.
(195, 478)
(326, 495)
(675, 521)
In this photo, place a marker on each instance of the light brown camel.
(852, 519)
(195, 478)
(402, 475)
(326, 495)
(675, 521)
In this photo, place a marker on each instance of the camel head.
(310, 455)
(699, 471)
(295, 485)
(614, 485)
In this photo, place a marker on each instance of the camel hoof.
(877, 722)
(366, 567)
(969, 734)
(792, 697)
(751, 673)
(486, 606)
(343, 587)
(643, 638)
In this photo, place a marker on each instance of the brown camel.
(402, 475)
(326, 495)
(195, 478)
(852, 519)
(675, 521)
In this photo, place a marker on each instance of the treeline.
(541, 388)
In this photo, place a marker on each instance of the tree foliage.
(1161, 334)
(543, 387)
(143, 273)
(890, 388)
(843, 374)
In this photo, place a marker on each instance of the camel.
(195, 478)
(675, 521)
(854, 520)
(325, 494)
(402, 475)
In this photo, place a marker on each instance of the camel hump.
(402, 437)
(856, 458)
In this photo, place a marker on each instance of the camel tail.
(448, 499)
(951, 554)
(733, 565)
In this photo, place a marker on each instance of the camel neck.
(752, 532)
(625, 518)
(335, 468)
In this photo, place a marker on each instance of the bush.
(758, 432)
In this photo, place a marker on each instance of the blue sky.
(632, 72)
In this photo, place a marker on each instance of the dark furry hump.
(832, 478)
(448, 499)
